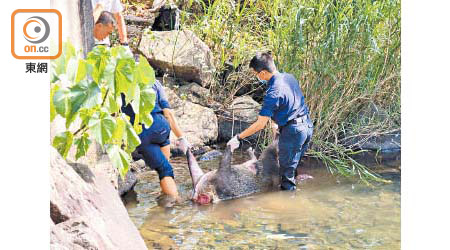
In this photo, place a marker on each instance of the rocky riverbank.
(184, 65)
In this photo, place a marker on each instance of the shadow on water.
(327, 212)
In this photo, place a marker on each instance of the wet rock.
(140, 21)
(380, 148)
(389, 142)
(194, 93)
(87, 215)
(171, 82)
(191, 91)
(127, 183)
(198, 123)
(104, 166)
(136, 22)
(179, 53)
(241, 114)
(210, 155)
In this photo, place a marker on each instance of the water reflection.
(326, 213)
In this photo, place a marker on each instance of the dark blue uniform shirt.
(284, 99)
(160, 102)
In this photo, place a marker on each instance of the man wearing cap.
(285, 104)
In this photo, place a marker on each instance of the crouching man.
(285, 104)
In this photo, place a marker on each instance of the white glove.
(234, 143)
(183, 144)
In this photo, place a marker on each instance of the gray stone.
(127, 183)
(380, 148)
(190, 91)
(179, 53)
(198, 123)
(87, 214)
(211, 155)
(139, 21)
(242, 112)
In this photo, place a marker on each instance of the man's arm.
(172, 122)
(255, 127)
(121, 27)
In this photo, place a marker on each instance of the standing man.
(116, 8)
(285, 104)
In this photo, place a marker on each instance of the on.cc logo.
(36, 34)
(41, 29)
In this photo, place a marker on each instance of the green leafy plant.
(90, 90)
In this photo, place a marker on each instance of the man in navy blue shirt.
(285, 104)
(155, 143)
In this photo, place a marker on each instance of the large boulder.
(378, 147)
(189, 91)
(85, 210)
(242, 112)
(197, 94)
(179, 53)
(198, 123)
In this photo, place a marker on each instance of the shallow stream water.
(326, 212)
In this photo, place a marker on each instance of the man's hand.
(234, 143)
(183, 144)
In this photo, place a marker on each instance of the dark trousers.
(292, 145)
(152, 139)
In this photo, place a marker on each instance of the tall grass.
(345, 54)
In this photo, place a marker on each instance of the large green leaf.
(70, 118)
(147, 103)
(61, 100)
(85, 115)
(144, 72)
(71, 69)
(121, 52)
(108, 77)
(146, 119)
(131, 138)
(102, 126)
(113, 104)
(62, 143)
(132, 90)
(99, 57)
(119, 158)
(84, 70)
(136, 100)
(137, 126)
(123, 75)
(84, 94)
(119, 131)
(59, 65)
(82, 145)
(53, 89)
